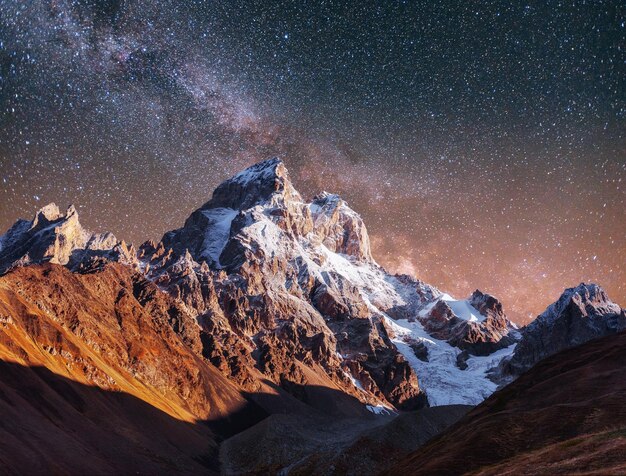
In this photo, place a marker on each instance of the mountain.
(581, 314)
(271, 277)
(263, 322)
(58, 238)
(566, 415)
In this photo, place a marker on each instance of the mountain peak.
(585, 296)
(588, 291)
(58, 238)
(51, 213)
(257, 184)
(47, 214)
(269, 169)
(580, 314)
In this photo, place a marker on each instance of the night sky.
(482, 142)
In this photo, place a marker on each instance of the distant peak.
(270, 170)
(585, 296)
(586, 291)
(326, 197)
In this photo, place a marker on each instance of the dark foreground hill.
(567, 415)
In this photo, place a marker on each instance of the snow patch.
(217, 233)
(354, 381)
(441, 379)
(463, 309)
(379, 409)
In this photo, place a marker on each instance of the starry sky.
(482, 142)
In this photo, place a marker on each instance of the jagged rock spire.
(58, 238)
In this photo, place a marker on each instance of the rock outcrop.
(478, 337)
(114, 329)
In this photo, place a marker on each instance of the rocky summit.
(264, 312)
(581, 314)
(54, 237)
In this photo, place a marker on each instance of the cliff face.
(101, 373)
(113, 329)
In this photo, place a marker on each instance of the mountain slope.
(328, 446)
(564, 416)
(114, 329)
(54, 425)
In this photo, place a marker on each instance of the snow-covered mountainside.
(303, 271)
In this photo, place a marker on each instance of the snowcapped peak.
(52, 214)
(590, 292)
(265, 170)
(587, 297)
(580, 314)
(259, 183)
(47, 214)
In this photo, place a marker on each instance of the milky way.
(483, 144)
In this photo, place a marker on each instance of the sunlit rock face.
(55, 237)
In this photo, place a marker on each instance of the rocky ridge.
(54, 237)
